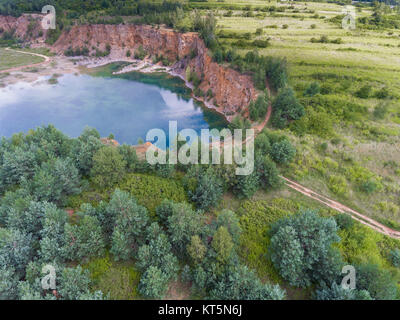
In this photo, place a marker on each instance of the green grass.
(364, 57)
(41, 50)
(119, 280)
(11, 59)
(150, 191)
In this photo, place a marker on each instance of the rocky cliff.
(26, 27)
(231, 91)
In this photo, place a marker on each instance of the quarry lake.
(126, 105)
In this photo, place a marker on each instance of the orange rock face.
(231, 90)
(26, 27)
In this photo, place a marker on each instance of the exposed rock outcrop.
(231, 91)
(26, 27)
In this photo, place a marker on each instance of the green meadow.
(12, 59)
(353, 158)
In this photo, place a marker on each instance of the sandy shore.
(57, 66)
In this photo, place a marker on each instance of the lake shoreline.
(74, 65)
(146, 66)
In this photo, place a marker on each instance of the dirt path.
(46, 60)
(326, 201)
(343, 209)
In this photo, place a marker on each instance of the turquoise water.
(126, 106)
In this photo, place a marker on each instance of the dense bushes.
(301, 249)
(141, 186)
(286, 108)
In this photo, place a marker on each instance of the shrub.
(286, 108)
(141, 186)
(380, 111)
(108, 167)
(204, 188)
(344, 221)
(377, 281)
(255, 220)
(140, 53)
(364, 92)
(382, 93)
(282, 152)
(338, 184)
(118, 280)
(395, 257)
(313, 89)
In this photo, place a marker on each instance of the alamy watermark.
(197, 150)
(349, 280)
(49, 280)
(49, 20)
(349, 20)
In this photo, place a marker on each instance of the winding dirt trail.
(326, 201)
(343, 209)
(46, 60)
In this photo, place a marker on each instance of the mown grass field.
(357, 152)
(11, 59)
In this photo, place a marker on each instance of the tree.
(165, 210)
(262, 144)
(18, 201)
(49, 143)
(230, 221)
(84, 148)
(301, 244)
(15, 165)
(73, 283)
(182, 225)
(268, 172)
(153, 283)
(395, 257)
(158, 253)
(276, 70)
(29, 220)
(16, 250)
(364, 92)
(55, 180)
(222, 244)
(128, 154)
(204, 188)
(107, 214)
(344, 221)
(108, 167)
(258, 109)
(247, 185)
(8, 283)
(243, 284)
(206, 27)
(377, 281)
(83, 240)
(27, 291)
(283, 152)
(196, 249)
(130, 224)
(286, 108)
(52, 235)
(336, 292)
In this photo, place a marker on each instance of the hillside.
(324, 193)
